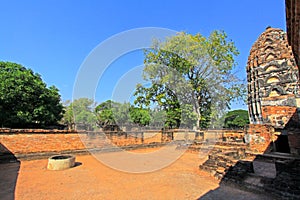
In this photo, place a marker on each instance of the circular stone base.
(60, 162)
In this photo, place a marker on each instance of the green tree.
(25, 100)
(80, 112)
(105, 114)
(140, 116)
(191, 70)
(158, 118)
(115, 113)
(68, 118)
(165, 100)
(236, 119)
(121, 112)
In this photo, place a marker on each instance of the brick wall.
(42, 141)
(35, 143)
(261, 137)
(133, 138)
(278, 116)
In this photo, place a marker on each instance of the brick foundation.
(26, 141)
(35, 143)
(260, 137)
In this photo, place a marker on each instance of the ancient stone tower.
(273, 80)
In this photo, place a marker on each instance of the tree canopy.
(25, 100)
(236, 119)
(140, 116)
(115, 113)
(191, 74)
(105, 114)
(80, 112)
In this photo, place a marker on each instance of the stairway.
(275, 173)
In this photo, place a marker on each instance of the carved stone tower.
(273, 78)
(273, 87)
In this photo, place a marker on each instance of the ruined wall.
(30, 141)
(34, 143)
(134, 137)
(260, 137)
(293, 26)
(22, 142)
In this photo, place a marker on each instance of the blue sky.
(54, 37)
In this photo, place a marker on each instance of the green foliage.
(164, 98)
(25, 100)
(191, 70)
(188, 117)
(236, 119)
(140, 116)
(158, 118)
(112, 113)
(80, 113)
(68, 117)
(121, 113)
(104, 113)
(115, 113)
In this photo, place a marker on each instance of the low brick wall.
(35, 143)
(134, 137)
(224, 134)
(38, 141)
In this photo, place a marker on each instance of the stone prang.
(273, 80)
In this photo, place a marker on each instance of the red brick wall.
(39, 141)
(133, 139)
(34, 143)
(278, 116)
(261, 137)
(275, 110)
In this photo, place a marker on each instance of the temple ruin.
(273, 87)
(270, 159)
(273, 77)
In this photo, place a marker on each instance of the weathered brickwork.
(274, 111)
(273, 94)
(273, 77)
(34, 143)
(260, 137)
(23, 143)
(278, 115)
(293, 26)
(44, 141)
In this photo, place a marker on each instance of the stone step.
(259, 183)
(278, 155)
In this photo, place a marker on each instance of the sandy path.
(93, 180)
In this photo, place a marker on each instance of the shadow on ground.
(229, 192)
(268, 176)
(9, 170)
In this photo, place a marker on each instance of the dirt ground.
(90, 179)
